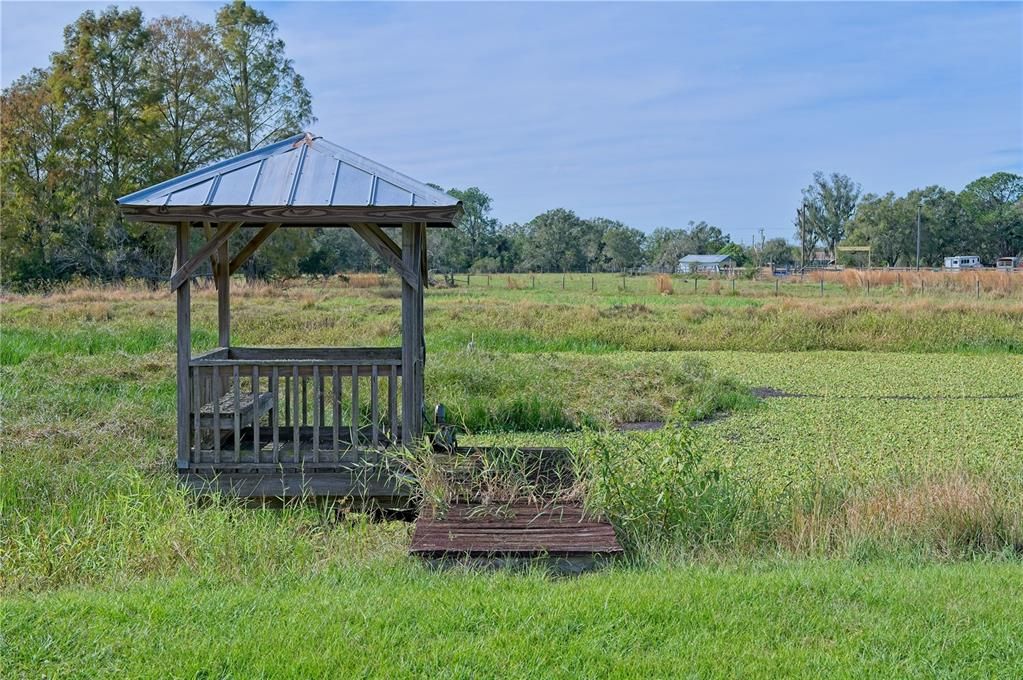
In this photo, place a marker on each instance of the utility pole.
(919, 206)
(801, 216)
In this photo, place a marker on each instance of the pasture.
(837, 471)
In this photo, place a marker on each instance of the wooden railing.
(268, 408)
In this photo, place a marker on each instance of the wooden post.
(411, 339)
(223, 275)
(184, 338)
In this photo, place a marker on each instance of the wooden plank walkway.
(520, 530)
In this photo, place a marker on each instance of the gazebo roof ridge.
(301, 180)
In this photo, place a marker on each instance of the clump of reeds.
(664, 284)
(513, 283)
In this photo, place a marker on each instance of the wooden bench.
(250, 408)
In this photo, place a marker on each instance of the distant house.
(963, 262)
(705, 264)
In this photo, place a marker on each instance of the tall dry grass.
(948, 516)
(664, 284)
(989, 282)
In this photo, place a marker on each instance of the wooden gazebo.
(260, 421)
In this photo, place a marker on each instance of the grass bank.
(796, 620)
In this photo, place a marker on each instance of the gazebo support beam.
(389, 252)
(184, 348)
(411, 339)
(222, 275)
(252, 246)
(185, 270)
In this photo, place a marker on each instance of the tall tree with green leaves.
(264, 98)
(622, 247)
(36, 188)
(830, 203)
(186, 114)
(995, 206)
(477, 223)
(101, 77)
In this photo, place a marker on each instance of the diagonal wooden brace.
(382, 245)
(250, 248)
(185, 270)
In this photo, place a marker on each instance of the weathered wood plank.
(223, 278)
(184, 271)
(382, 246)
(436, 216)
(249, 249)
(518, 529)
(184, 348)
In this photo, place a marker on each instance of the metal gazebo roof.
(303, 180)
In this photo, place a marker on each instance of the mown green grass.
(810, 619)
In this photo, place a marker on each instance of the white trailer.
(957, 262)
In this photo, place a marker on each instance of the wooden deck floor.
(519, 530)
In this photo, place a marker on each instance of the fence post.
(562, 280)
(733, 284)
(696, 281)
(868, 282)
(533, 284)
(776, 285)
(593, 284)
(822, 286)
(468, 278)
(978, 287)
(488, 280)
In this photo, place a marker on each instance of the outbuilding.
(705, 264)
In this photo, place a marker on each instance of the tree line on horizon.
(129, 102)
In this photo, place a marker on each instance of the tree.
(995, 205)
(779, 252)
(101, 76)
(264, 98)
(830, 203)
(37, 190)
(622, 247)
(555, 242)
(188, 123)
(476, 224)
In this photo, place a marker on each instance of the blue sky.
(653, 113)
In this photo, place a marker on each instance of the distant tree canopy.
(127, 103)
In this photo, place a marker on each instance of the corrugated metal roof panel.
(704, 259)
(302, 170)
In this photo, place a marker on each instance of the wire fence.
(826, 283)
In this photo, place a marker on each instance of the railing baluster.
(237, 416)
(287, 400)
(294, 421)
(355, 407)
(255, 414)
(374, 389)
(317, 394)
(392, 404)
(275, 387)
(305, 405)
(216, 413)
(335, 377)
(196, 408)
(322, 400)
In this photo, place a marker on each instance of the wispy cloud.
(650, 113)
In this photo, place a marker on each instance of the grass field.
(839, 489)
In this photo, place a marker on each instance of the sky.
(654, 114)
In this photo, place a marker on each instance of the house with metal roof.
(705, 264)
(290, 421)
